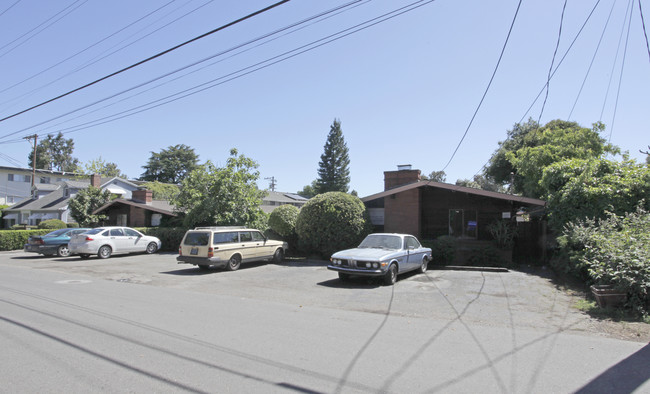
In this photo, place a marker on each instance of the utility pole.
(35, 137)
(273, 184)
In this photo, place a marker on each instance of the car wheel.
(63, 251)
(104, 252)
(424, 265)
(203, 267)
(84, 256)
(278, 256)
(391, 275)
(234, 263)
(343, 277)
(152, 247)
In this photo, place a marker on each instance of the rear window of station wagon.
(197, 239)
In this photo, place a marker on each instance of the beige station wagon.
(228, 247)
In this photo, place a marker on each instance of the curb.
(469, 268)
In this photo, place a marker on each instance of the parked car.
(228, 247)
(106, 241)
(54, 243)
(382, 255)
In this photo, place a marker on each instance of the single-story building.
(139, 211)
(429, 209)
(275, 199)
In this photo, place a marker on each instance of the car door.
(263, 251)
(412, 245)
(119, 240)
(134, 240)
(248, 246)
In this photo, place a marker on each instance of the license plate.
(194, 251)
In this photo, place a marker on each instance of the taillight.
(40, 242)
(89, 238)
(210, 252)
(180, 250)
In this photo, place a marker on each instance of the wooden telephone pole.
(35, 137)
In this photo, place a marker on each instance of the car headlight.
(336, 261)
(375, 265)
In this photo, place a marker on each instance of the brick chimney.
(144, 196)
(95, 180)
(403, 176)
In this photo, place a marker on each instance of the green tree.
(333, 168)
(578, 189)
(309, 191)
(162, 191)
(437, 176)
(101, 167)
(483, 183)
(85, 203)
(171, 165)
(55, 154)
(531, 148)
(222, 196)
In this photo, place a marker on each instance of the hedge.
(16, 239)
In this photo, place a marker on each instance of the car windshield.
(382, 242)
(95, 231)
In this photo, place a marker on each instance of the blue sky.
(404, 89)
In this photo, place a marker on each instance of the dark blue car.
(54, 243)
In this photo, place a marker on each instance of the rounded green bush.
(283, 220)
(52, 224)
(330, 222)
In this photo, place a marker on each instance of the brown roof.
(158, 206)
(463, 189)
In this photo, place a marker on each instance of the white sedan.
(106, 241)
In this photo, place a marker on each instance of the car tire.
(152, 248)
(104, 252)
(63, 251)
(343, 277)
(391, 275)
(278, 256)
(234, 263)
(84, 256)
(424, 266)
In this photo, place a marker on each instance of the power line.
(148, 59)
(550, 69)
(593, 58)
(319, 17)
(645, 34)
(82, 51)
(620, 78)
(562, 59)
(10, 7)
(503, 49)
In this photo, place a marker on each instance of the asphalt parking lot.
(492, 299)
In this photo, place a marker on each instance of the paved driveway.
(464, 331)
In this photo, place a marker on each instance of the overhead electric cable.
(593, 58)
(251, 69)
(148, 59)
(550, 69)
(561, 60)
(645, 34)
(10, 7)
(630, 4)
(503, 49)
(85, 49)
(42, 28)
(620, 78)
(327, 14)
(247, 70)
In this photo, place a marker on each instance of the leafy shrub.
(330, 222)
(487, 256)
(283, 220)
(72, 225)
(170, 237)
(16, 239)
(52, 224)
(503, 232)
(614, 250)
(443, 249)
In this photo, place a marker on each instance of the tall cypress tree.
(333, 169)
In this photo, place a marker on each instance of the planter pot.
(608, 297)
